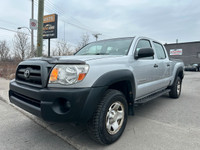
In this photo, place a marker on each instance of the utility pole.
(32, 32)
(40, 27)
(97, 35)
(64, 31)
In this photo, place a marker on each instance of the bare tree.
(84, 41)
(63, 48)
(21, 45)
(4, 50)
(32, 53)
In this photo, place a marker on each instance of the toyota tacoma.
(99, 85)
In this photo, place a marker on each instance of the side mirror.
(144, 52)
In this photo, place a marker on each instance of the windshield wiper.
(101, 54)
(94, 54)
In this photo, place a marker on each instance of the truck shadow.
(152, 105)
(77, 135)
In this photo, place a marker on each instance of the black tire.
(176, 88)
(97, 127)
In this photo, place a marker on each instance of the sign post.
(33, 24)
(49, 47)
(50, 28)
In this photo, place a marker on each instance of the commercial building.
(189, 52)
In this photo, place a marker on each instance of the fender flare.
(112, 77)
(179, 69)
(101, 85)
(116, 76)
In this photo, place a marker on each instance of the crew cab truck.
(99, 85)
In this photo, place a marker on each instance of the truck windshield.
(107, 47)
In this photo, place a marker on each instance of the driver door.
(144, 70)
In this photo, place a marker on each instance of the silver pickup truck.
(99, 85)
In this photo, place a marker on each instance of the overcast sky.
(163, 20)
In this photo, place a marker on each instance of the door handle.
(155, 66)
(168, 65)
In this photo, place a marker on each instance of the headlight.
(68, 74)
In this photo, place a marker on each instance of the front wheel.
(176, 88)
(110, 118)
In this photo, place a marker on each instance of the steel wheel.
(115, 118)
(109, 121)
(179, 87)
(176, 88)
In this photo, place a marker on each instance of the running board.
(151, 97)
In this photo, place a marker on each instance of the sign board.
(33, 24)
(176, 51)
(50, 26)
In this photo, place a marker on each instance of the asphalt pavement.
(19, 132)
(161, 124)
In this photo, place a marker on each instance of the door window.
(159, 50)
(144, 44)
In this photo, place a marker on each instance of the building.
(189, 52)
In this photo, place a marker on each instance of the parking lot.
(161, 124)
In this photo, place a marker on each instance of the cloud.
(126, 3)
(164, 20)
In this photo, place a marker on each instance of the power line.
(11, 30)
(65, 19)
(63, 13)
(2, 28)
(50, 7)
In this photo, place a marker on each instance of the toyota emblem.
(27, 73)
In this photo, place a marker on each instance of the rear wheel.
(110, 118)
(176, 88)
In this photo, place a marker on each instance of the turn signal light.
(81, 76)
(54, 74)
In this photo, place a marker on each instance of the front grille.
(33, 76)
(26, 99)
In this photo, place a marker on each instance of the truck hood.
(73, 59)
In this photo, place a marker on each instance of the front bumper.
(56, 104)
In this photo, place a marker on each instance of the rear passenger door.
(163, 69)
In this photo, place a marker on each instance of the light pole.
(25, 28)
(32, 46)
(32, 32)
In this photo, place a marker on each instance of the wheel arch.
(179, 73)
(122, 80)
